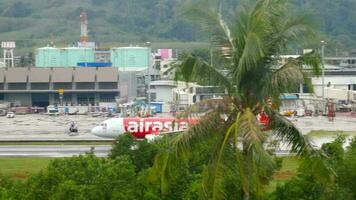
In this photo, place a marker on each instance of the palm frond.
(193, 68)
(253, 138)
(212, 186)
(286, 78)
(254, 161)
(180, 147)
(251, 31)
(162, 171)
(311, 60)
(209, 126)
(286, 131)
(207, 14)
(294, 72)
(216, 176)
(297, 28)
(222, 106)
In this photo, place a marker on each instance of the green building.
(71, 56)
(48, 57)
(130, 58)
(66, 57)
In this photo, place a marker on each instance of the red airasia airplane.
(149, 127)
(141, 127)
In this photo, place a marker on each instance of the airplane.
(142, 127)
(149, 128)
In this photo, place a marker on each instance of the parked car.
(3, 112)
(10, 115)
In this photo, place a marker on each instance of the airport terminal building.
(36, 86)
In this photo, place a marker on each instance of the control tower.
(8, 49)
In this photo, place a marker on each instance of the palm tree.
(250, 45)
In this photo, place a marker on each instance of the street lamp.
(323, 73)
(148, 44)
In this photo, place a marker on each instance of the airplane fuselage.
(141, 127)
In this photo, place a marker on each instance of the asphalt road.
(52, 150)
(47, 128)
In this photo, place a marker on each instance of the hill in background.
(40, 21)
(36, 22)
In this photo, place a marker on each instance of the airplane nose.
(96, 131)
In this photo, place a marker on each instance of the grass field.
(289, 170)
(22, 168)
(57, 143)
(322, 133)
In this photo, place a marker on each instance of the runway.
(52, 150)
(37, 128)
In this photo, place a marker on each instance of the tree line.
(126, 174)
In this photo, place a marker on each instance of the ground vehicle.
(73, 129)
(10, 115)
(52, 110)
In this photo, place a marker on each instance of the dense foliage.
(124, 175)
(116, 177)
(39, 21)
(306, 185)
(83, 177)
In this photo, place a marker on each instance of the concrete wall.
(128, 85)
(163, 93)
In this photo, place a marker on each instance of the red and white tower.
(83, 27)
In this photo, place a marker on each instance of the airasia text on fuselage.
(140, 127)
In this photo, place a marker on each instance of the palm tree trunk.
(246, 196)
(245, 154)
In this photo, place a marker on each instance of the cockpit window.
(103, 124)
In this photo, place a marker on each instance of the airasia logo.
(148, 125)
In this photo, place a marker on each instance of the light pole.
(149, 77)
(211, 62)
(323, 73)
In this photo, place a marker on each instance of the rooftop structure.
(342, 62)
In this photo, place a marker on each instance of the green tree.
(83, 177)
(250, 45)
(308, 186)
(140, 152)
